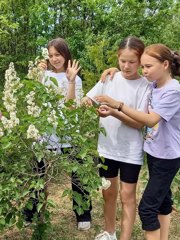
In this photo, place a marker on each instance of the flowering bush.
(30, 113)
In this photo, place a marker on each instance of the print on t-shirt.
(150, 132)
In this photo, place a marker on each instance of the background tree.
(27, 26)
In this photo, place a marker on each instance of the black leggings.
(157, 197)
(77, 187)
(86, 216)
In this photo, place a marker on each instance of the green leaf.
(29, 205)
(54, 80)
(39, 206)
(6, 145)
(25, 192)
(19, 224)
(51, 203)
(66, 192)
(2, 221)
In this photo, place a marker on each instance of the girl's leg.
(153, 235)
(164, 216)
(128, 201)
(164, 223)
(129, 176)
(110, 201)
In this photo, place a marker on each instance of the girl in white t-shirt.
(122, 145)
(64, 70)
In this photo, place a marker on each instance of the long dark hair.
(61, 46)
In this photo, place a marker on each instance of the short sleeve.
(168, 105)
(143, 103)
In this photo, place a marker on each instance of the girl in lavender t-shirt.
(162, 139)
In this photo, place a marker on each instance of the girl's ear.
(166, 64)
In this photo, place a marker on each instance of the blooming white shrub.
(30, 113)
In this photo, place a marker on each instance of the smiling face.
(56, 59)
(153, 69)
(129, 63)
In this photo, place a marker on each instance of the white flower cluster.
(33, 132)
(79, 96)
(12, 84)
(1, 132)
(34, 72)
(105, 183)
(45, 53)
(10, 123)
(32, 109)
(52, 119)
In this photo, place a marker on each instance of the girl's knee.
(110, 194)
(128, 197)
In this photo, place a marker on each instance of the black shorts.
(128, 172)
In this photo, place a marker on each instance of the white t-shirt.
(53, 140)
(122, 143)
(63, 83)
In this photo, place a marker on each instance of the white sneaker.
(106, 236)
(84, 226)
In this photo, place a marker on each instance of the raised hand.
(72, 70)
(109, 71)
(104, 99)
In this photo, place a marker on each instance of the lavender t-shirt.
(163, 140)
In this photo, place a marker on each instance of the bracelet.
(119, 107)
(71, 82)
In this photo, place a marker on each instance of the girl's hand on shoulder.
(43, 65)
(72, 70)
(105, 111)
(110, 72)
(104, 99)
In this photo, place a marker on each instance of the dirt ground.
(64, 222)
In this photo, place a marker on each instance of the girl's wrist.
(119, 106)
(71, 81)
(113, 112)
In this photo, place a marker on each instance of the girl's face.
(56, 59)
(129, 63)
(152, 68)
